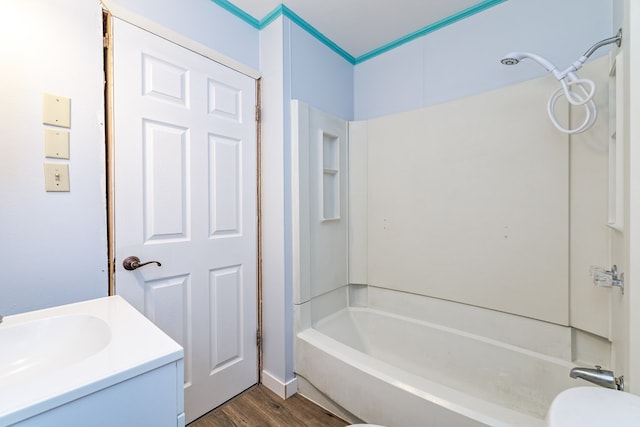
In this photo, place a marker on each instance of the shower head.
(578, 92)
(512, 58)
(509, 61)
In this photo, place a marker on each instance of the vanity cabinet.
(151, 399)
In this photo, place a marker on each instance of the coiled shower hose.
(582, 97)
(579, 92)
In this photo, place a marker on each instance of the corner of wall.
(283, 389)
(358, 199)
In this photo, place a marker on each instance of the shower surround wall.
(320, 202)
(478, 205)
(479, 200)
(482, 201)
(468, 202)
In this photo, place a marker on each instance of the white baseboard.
(284, 390)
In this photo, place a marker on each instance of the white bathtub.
(390, 369)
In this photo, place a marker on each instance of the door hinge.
(105, 40)
(257, 113)
(258, 338)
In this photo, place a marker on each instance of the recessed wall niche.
(331, 177)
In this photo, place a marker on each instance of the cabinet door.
(151, 399)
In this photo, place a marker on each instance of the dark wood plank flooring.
(260, 407)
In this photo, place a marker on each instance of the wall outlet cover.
(56, 110)
(56, 143)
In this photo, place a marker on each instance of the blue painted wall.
(54, 245)
(463, 59)
(319, 76)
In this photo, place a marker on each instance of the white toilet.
(594, 407)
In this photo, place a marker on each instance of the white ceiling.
(361, 26)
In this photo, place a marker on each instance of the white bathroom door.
(185, 196)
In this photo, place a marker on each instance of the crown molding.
(283, 10)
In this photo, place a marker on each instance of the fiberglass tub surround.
(52, 359)
(464, 258)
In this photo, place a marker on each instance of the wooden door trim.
(259, 222)
(107, 32)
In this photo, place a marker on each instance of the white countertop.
(135, 346)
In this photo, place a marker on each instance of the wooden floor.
(259, 407)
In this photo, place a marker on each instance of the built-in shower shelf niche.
(616, 147)
(330, 177)
(319, 202)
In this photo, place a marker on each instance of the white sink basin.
(594, 407)
(42, 345)
(59, 355)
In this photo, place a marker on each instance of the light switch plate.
(56, 110)
(56, 143)
(56, 177)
